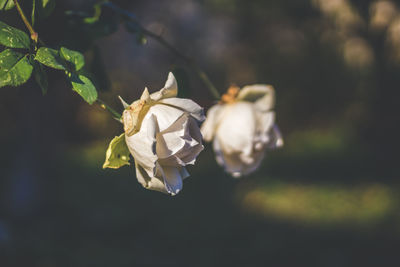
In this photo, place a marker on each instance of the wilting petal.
(142, 145)
(134, 113)
(170, 89)
(188, 105)
(210, 125)
(262, 95)
(237, 129)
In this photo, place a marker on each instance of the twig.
(34, 35)
(189, 61)
(114, 113)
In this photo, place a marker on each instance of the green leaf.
(15, 68)
(50, 58)
(74, 57)
(117, 154)
(12, 37)
(45, 7)
(83, 86)
(40, 77)
(6, 4)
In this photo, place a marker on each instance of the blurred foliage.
(323, 204)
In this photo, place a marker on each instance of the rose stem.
(189, 61)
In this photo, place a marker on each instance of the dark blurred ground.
(330, 197)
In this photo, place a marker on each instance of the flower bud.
(163, 136)
(242, 126)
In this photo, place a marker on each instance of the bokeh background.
(329, 197)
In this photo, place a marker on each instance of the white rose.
(242, 126)
(163, 136)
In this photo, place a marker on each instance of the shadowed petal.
(152, 183)
(172, 179)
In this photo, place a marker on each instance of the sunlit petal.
(187, 105)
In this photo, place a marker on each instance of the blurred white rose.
(242, 126)
(163, 136)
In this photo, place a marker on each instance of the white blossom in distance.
(163, 136)
(242, 127)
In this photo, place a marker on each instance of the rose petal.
(230, 162)
(142, 145)
(257, 159)
(193, 144)
(172, 179)
(171, 84)
(170, 89)
(166, 115)
(180, 143)
(152, 183)
(276, 138)
(145, 95)
(169, 141)
(210, 125)
(184, 173)
(265, 122)
(261, 94)
(237, 129)
(188, 105)
(233, 163)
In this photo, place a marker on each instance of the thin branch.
(34, 35)
(33, 12)
(189, 61)
(114, 113)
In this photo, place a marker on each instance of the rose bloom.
(242, 127)
(163, 136)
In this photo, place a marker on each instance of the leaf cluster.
(17, 66)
